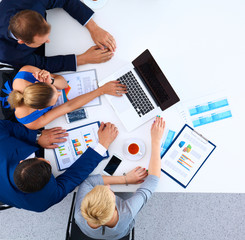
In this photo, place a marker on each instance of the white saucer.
(137, 156)
(95, 4)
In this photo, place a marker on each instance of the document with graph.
(78, 140)
(79, 83)
(186, 155)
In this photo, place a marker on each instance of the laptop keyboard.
(136, 94)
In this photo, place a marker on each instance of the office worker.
(27, 181)
(34, 94)
(23, 29)
(102, 215)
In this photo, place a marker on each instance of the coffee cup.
(134, 149)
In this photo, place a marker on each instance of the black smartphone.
(76, 115)
(112, 165)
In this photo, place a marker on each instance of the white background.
(199, 46)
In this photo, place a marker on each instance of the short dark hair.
(32, 175)
(26, 24)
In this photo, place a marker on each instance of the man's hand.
(136, 175)
(101, 37)
(51, 136)
(94, 55)
(107, 134)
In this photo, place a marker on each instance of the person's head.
(38, 96)
(30, 28)
(32, 174)
(98, 205)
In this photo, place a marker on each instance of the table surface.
(200, 47)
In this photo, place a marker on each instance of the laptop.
(149, 92)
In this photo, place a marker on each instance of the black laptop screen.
(155, 80)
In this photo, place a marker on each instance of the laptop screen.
(154, 79)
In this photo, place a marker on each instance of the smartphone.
(76, 115)
(112, 165)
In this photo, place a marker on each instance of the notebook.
(149, 92)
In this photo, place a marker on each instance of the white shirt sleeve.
(100, 149)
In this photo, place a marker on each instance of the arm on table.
(52, 64)
(111, 88)
(75, 8)
(80, 170)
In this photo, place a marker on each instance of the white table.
(200, 47)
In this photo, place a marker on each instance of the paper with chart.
(186, 155)
(79, 83)
(205, 110)
(78, 140)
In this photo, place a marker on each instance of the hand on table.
(157, 129)
(51, 136)
(114, 88)
(103, 39)
(136, 175)
(107, 134)
(94, 55)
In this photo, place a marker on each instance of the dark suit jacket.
(17, 143)
(19, 55)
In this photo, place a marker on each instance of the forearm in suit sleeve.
(75, 8)
(53, 64)
(77, 173)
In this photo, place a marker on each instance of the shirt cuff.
(100, 149)
(88, 20)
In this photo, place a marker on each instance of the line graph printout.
(186, 155)
(79, 83)
(78, 140)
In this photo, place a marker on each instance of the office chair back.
(4, 206)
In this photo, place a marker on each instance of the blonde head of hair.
(37, 96)
(98, 205)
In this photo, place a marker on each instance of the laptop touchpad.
(119, 104)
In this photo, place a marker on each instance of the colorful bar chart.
(185, 162)
(88, 140)
(208, 106)
(62, 150)
(211, 118)
(167, 142)
(77, 146)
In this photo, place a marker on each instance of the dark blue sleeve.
(17, 130)
(75, 8)
(77, 173)
(52, 64)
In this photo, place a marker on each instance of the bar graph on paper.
(166, 142)
(88, 140)
(206, 111)
(62, 150)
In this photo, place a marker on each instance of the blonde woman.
(102, 215)
(35, 91)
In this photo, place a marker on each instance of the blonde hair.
(37, 96)
(98, 205)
